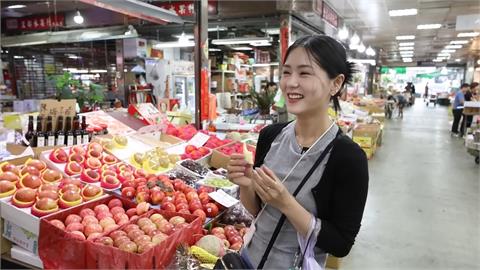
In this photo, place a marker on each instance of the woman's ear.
(337, 84)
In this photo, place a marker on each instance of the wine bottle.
(68, 132)
(50, 135)
(40, 133)
(85, 135)
(30, 134)
(59, 133)
(77, 134)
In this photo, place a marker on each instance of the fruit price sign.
(54, 108)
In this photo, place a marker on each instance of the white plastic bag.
(307, 246)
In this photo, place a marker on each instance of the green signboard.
(395, 70)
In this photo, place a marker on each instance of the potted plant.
(263, 100)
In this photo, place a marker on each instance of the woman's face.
(305, 85)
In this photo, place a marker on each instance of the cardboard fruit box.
(57, 248)
(221, 160)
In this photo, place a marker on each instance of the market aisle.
(423, 206)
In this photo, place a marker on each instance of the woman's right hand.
(239, 171)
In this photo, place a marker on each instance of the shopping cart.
(432, 99)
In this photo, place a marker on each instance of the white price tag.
(199, 139)
(177, 149)
(223, 198)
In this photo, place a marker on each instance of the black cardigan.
(340, 194)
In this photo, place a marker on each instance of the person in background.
(401, 101)
(425, 95)
(457, 107)
(475, 88)
(466, 119)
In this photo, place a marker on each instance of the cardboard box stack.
(368, 136)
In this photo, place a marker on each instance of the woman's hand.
(270, 189)
(239, 171)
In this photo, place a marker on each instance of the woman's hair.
(473, 85)
(328, 54)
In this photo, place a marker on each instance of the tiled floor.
(423, 207)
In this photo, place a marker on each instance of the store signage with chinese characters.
(35, 23)
(328, 14)
(187, 8)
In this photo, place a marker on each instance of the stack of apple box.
(58, 249)
(221, 156)
(366, 136)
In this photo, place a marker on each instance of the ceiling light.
(244, 48)
(98, 71)
(458, 60)
(272, 31)
(214, 50)
(240, 40)
(438, 60)
(361, 48)
(406, 48)
(16, 6)
(459, 42)
(370, 51)
(78, 18)
(183, 35)
(453, 47)
(353, 46)
(470, 34)
(448, 51)
(218, 28)
(478, 62)
(444, 54)
(174, 44)
(407, 37)
(406, 52)
(260, 43)
(470, 69)
(429, 26)
(183, 38)
(355, 40)
(407, 60)
(406, 44)
(363, 61)
(403, 12)
(18, 57)
(343, 33)
(72, 56)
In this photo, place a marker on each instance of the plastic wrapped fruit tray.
(180, 166)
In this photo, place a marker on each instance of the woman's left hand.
(270, 189)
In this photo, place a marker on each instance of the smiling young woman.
(309, 182)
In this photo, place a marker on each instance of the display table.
(473, 147)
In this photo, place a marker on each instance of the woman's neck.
(309, 128)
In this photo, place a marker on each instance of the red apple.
(120, 216)
(9, 176)
(142, 208)
(218, 230)
(156, 196)
(131, 227)
(87, 212)
(24, 197)
(115, 203)
(184, 211)
(101, 208)
(75, 157)
(116, 234)
(58, 155)
(8, 167)
(191, 196)
(129, 247)
(7, 188)
(90, 176)
(77, 235)
(92, 228)
(93, 236)
(131, 212)
(105, 240)
(142, 238)
(95, 146)
(121, 240)
(40, 165)
(90, 192)
(47, 194)
(168, 206)
(177, 220)
(144, 221)
(89, 219)
(73, 168)
(201, 214)
(158, 238)
(76, 226)
(135, 233)
(29, 180)
(117, 209)
(142, 196)
(57, 223)
(110, 182)
(237, 246)
(194, 205)
(73, 218)
(181, 206)
(92, 153)
(165, 227)
(69, 187)
(107, 221)
(145, 246)
(221, 236)
(156, 216)
(103, 215)
(235, 239)
(211, 210)
(93, 163)
(128, 192)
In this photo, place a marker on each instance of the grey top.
(282, 156)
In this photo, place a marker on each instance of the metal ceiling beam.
(138, 9)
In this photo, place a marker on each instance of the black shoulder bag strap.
(283, 217)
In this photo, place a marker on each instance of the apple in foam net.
(159, 237)
(105, 222)
(116, 234)
(57, 223)
(115, 203)
(101, 208)
(92, 228)
(76, 226)
(89, 219)
(73, 218)
(77, 235)
(117, 209)
(165, 227)
(9, 176)
(105, 240)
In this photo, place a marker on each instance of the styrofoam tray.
(133, 145)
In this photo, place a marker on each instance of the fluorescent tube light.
(406, 37)
(401, 44)
(174, 44)
(406, 52)
(448, 51)
(218, 28)
(428, 26)
(459, 42)
(244, 48)
(444, 54)
(240, 40)
(402, 12)
(406, 48)
(214, 50)
(469, 34)
(16, 6)
(407, 60)
(453, 47)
